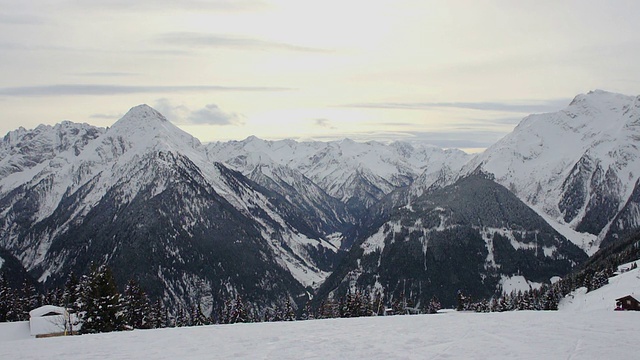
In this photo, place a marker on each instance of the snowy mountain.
(272, 220)
(143, 197)
(23, 149)
(578, 167)
(469, 236)
(12, 271)
(357, 174)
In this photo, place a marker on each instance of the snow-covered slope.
(450, 335)
(23, 149)
(626, 282)
(578, 166)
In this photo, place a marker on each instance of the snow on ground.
(604, 298)
(517, 283)
(18, 330)
(519, 335)
(586, 327)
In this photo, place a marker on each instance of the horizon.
(454, 74)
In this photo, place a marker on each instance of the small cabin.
(627, 303)
(49, 320)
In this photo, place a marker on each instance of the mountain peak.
(142, 114)
(601, 99)
(146, 127)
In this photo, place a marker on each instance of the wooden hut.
(627, 303)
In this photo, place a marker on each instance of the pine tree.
(239, 313)
(378, 304)
(5, 299)
(71, 294)
(227, 311)
(307, 312)
(289, 311)
(434, 305)
(159, 316)
(136, 309)
(399, 305)
(29, 300)
(100, 302)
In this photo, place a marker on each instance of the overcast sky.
(453, 73)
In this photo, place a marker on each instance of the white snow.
(49, 319)
(517, 283)
(585, 327)
(1, 262)
(117, 158)
(534, 160)
(512, 335)
(18, 330)
(375, 242)
(604, 298)
(335, 165)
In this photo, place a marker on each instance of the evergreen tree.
(71, 294)
(239, 313)
(434, 305)
(307, 312)
(399, 305)
(289, 311)
(181, 318)
(136, 311)
(227, 311)
(6, 296)
(159, 317)
(100, 302)
(196, 317)
(378, 306)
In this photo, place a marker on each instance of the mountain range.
(285, 220)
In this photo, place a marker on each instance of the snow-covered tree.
(135, 305)
(239, 313)
(434, 305)
(100, 302)
(289, 311)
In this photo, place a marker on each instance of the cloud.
(450, 139)
(211, 114)
(163, 5)
(394, 124)
(105, 116)
(20, 19)
(506, 120)
(457, 139)
(526, 107)
(102, 90)
(106, 74)
(324, 123)
(200, 40)
(175, 114)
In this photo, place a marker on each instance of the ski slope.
(626, 283)
(598, 334)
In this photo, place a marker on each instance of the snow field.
(512, 335)
(627, 283)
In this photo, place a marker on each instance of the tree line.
(592, 275)
(99, 307)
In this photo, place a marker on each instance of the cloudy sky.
(455, 73)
